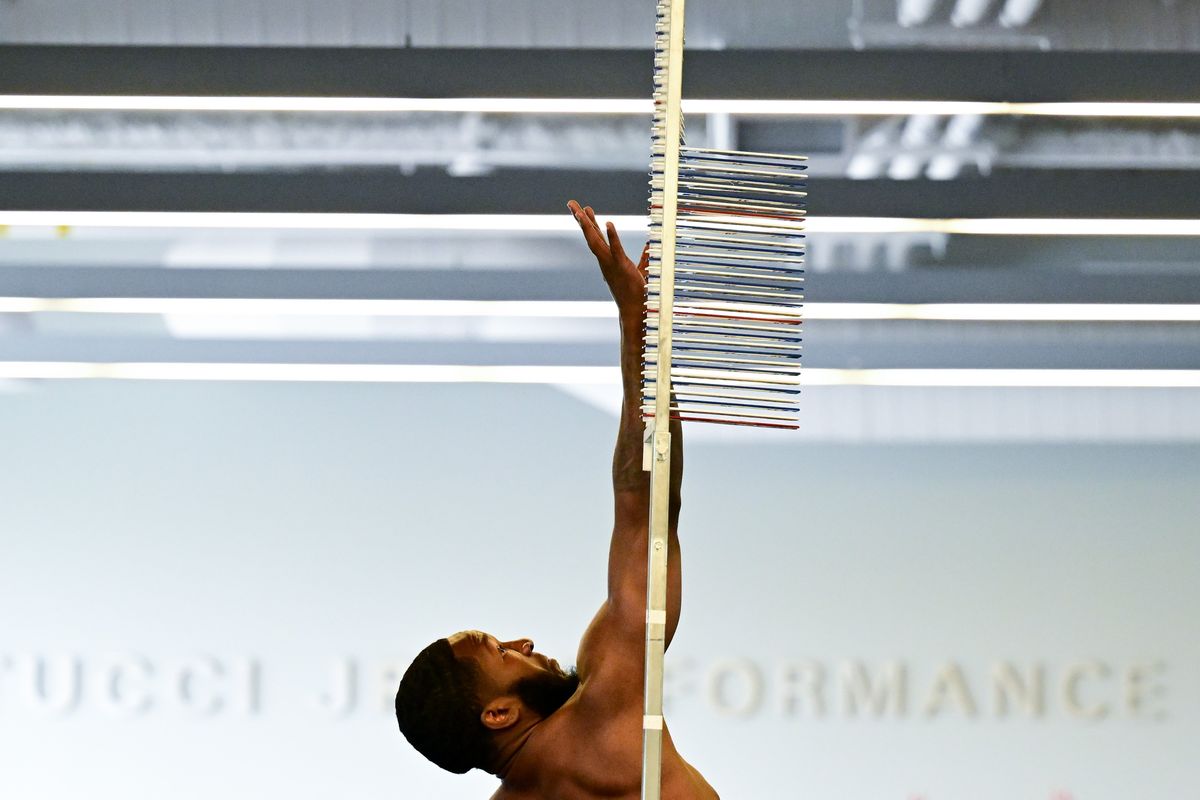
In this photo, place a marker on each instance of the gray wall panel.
(308, 527)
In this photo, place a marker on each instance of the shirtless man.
(473, 701)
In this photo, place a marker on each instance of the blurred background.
(303, 365)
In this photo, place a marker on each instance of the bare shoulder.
(598, 745)
(611, 659)
(508, 793)
(589, 750)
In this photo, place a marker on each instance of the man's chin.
(548, 692)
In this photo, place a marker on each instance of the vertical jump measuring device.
(723, 296)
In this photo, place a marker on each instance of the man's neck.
(509, 747)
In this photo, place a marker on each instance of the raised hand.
(626, 280)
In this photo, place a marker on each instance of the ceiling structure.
(786, 24)
(927, 165)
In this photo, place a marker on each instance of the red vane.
(649, 415)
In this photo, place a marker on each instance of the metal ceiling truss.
(942, 148)
(937, 147)
(474, 143)
(969, 13)
(463, 143)
(1129, 25)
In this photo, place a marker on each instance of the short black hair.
(438, 709)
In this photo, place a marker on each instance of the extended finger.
(580, 215)
(591, 234)
(591, 216)
(587, 219)
(614, 242)
(644, 263)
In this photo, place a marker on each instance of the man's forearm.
(627, 574)
(628, 474)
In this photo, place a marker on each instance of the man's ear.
(501, 713)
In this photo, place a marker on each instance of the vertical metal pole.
(660, 467)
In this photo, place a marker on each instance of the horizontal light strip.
(559, 375)
(868, 108)
(314, 308)
(588, 309)
(563, 223)
(1008, 227)
(1007, 312)
(517, 223)
(1014, 378)
(583, 105)
(332, 373)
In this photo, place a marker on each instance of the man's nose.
(523, 645)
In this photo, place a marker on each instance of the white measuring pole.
(658, 431)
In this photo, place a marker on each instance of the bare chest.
(606, 766)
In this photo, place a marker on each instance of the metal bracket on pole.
(648, 446)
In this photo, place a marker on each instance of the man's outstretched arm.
(617, 632)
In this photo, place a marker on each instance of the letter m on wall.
(862, 694)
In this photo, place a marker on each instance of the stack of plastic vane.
(738, 280)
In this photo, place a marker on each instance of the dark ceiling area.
(878, 74)
(1029, 113)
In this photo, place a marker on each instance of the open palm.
(626, 280)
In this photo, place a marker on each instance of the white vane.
(726, 273)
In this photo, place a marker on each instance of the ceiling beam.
(949, 284)
(911, 74)
(1131, 194)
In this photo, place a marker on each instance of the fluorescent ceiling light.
(278, 307)
(456, 105)
(583, 105)
(1008, 226)
(588, 309)
(515, 223)
(330, 373)
(867, 108)
(563, 223)
(1007, 312)
(1012, 378)
(567, 375)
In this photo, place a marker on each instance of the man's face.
(515, 667)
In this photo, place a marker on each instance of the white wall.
(197, 540)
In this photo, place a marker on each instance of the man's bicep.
(610, 656)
